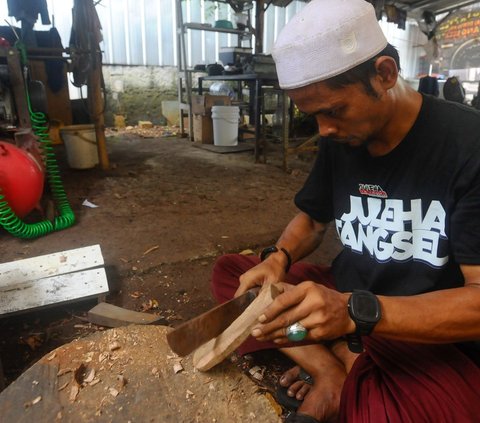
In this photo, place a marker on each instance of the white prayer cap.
(325, 39)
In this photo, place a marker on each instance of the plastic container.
(81, 146)
(21, 179)
(225, 125)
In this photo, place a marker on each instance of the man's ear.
(387, 71)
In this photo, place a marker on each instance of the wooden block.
(219, 348)
(145, 124)
(109, 315)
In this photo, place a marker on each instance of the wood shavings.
(177, 367)
(61, 388)
(94, 382)
(113, 346)
(136, 294)
(33, 402)
(90, 376)
(103, 356)
(256, 372)
(89, 356)
(155, 247)
(73, 393)
(37, 400)
(61, 372)
(150, 305)
(80, 326)
(247, 252)
(113, 392)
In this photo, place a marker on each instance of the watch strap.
(363, 326)
(354, 342)
(274, 249)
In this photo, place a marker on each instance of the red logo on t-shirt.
(372, 190)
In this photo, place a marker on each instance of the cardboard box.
(202, 104)
(203, 129)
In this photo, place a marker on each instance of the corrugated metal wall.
(143, 32)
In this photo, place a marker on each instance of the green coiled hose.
(66, 218)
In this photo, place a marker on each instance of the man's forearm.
(451, 315)
(302, 236)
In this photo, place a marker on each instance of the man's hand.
(271, 270)
(322, 311)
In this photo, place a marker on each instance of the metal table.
(257, 83)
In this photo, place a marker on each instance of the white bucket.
(225, 125)
(81, 146)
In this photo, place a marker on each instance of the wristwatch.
(273, 249)
(364, 309)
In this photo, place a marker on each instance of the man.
(389, 326)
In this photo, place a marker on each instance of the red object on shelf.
(4, 42)
(21, 179)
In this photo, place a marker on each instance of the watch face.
(365, 307)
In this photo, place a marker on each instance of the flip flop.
(288, 402)
(300, 418)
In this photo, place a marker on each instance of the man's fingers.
(241, 290)
(281, 303)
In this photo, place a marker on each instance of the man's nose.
(326, 128)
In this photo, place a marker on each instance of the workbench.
(257, 84)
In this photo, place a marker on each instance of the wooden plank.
(53, 290)
(219, 348)
(109, 315)
(48, 265)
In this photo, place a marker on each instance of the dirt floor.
(166, 210)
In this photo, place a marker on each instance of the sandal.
(288, 402)
(294, 417)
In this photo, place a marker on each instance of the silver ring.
(296, 332)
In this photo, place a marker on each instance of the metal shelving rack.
(184, 78)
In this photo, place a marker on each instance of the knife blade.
(190, 335)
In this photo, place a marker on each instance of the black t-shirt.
(409, 218)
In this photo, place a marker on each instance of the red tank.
(21, 179)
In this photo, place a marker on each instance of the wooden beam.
(96, 103)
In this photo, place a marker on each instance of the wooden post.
(96, 107)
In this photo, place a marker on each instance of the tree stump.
(130, 374)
